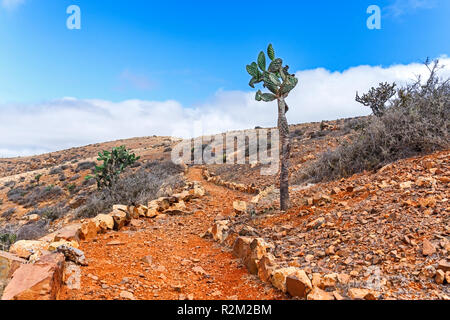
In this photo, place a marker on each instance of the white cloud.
(68, 122)
(12, 4)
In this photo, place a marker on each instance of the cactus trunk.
(280, 83)
(285, 153)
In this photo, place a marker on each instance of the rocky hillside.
(386, 232)
(39, 193)
(53, 185)
(214, 232)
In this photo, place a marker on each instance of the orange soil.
(176, 248)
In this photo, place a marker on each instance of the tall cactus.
(279, 82)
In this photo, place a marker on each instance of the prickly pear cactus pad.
(275, 77)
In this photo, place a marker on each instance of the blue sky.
(139, 68)
(187, 50)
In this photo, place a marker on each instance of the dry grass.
(133, 188)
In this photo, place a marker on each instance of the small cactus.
(114, 162)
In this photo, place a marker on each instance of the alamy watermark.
(374, 20)
(259, 146)
(74, 20)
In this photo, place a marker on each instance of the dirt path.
(166, 258)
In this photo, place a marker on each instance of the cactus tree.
(279, 82)
(114, 163)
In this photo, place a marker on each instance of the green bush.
(71, 187)
(37, 178)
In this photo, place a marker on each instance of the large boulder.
(362, 294)
(444, 265)
(139, 211)
(266, 266)
(258, 249)
(104, 222)
(70, 232)
(197, 192)
(25, 248)
(319, 294)
(37, 256)
(298, 284)
(120, 219)
(39, 281)
(241, 247)
(54, 245)
(48, 237)
(8, 264)
(88, 230)
(73, 254)
(120, 207)
(240, 206)
(152, 213)
(159, 204)
(219, 230)
(279, 277)
(178, 208)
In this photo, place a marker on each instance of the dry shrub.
(416, 122)
(7, 238)
(51, 213)
(33, 230)
(86, 165)
(133, 188)
(55, 170)
(8, 213)
(33, 194)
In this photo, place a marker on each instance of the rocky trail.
(375, 235)
(165, 258)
